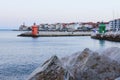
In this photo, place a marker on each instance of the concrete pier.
(55, 34)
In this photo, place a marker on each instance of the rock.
(100, 67)
(89, 65)
(107, 36)
(117, 78)
(85, 65)
(113, 53)
(52, 69)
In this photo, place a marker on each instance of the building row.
(63, 26)
(113, 25)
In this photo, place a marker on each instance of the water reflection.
(102, 43)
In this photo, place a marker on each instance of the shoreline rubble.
(110, 36)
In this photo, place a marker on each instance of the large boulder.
(96, 67)
(85, 65)
(52, 69)
(89, 65)
(113, 53)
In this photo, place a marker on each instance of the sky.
(14, 12)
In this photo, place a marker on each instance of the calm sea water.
(19, 56)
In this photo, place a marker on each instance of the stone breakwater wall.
(85, 65)
(55, 34)
(107, 36)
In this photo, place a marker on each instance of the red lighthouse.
(35, 30)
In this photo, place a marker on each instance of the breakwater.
(55, 34)
(110, 36)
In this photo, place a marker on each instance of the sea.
(20, 56)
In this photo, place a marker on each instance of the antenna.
(117, 14)
(113, 14)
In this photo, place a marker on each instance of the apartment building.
(115, 25)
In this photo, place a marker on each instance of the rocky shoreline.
(107, 36)
(85, 65)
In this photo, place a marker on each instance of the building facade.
(115, 25)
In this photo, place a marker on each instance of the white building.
(115, 24)
(57, 26)
(73, 26)
(23, 28)
(108, 27)
(76, 26)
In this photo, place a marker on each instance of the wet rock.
(113, 53)
(52, 69)
(85, 65)
(89, 65)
